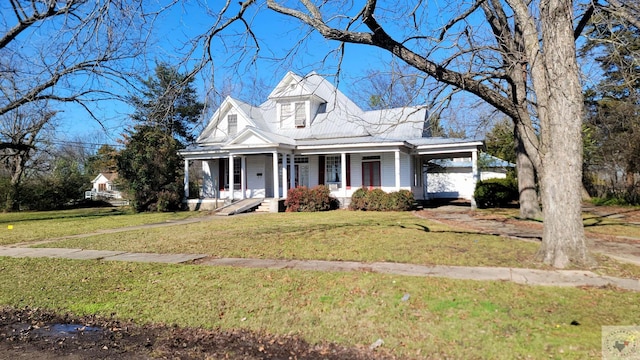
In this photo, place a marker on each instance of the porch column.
(475, 174)
(186, 179)
(276, 191)
(343, 173)
(292, 171)
(231, 184)
(397, 156)
(284, 175)
(243, 180)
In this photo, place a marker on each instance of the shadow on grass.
(616, 218)
(54, 215)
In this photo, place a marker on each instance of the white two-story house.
(308, 133)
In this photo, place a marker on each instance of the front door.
(371, 174)
(302, 175)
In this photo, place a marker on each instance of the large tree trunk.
(528, 194)
(563, 240)
(12, 197)
(11, 203)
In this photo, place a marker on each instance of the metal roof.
(341, 123)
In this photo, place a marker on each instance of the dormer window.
(232, 124)
(293, 114)
(301, 114)
(285, 112)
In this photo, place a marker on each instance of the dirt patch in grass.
(35, 334)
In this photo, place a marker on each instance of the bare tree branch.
(88, 43)
(629, 10)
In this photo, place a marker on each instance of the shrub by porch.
(303, 199)
(378, 200)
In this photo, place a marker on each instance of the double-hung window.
(232, 124)
(332, 169)
(285, 112)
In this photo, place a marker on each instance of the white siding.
(406, 179)
(388, 172)
(101, 180)
(313, 170)
(450, 185)
(223, 124)
(256, 184)
(455, 183)
(356, 171)
(207, 178)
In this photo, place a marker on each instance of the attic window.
(301, 115)
(285, 111)
(232, 124)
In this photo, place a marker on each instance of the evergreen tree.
(103, 161)
(613, 104)
(150, 169)
(149, 166)
(168, 102)
(500, 141)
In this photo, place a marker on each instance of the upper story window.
(293, 114)
(232, 124)
(285, 112)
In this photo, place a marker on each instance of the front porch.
(232, 176)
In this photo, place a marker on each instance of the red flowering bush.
(303, 199)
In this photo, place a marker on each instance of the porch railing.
(93, 195)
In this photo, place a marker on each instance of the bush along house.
(308, 133)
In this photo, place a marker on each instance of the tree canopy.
(613, 107)
(169, 102)
(149, 166)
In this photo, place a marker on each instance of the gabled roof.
(251, 113)
(295, 86)
(338, 120)
(109, 176)
(252, 136)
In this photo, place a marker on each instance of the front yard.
(415, 317)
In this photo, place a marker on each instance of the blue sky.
(277, 35)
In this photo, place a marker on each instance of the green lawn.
(43, 225)
(442, 318)
(335, 235)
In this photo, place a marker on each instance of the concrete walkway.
(520, 276)
(622, 248)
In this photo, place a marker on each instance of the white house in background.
(453, 178)
(308, 133)
(103, 186)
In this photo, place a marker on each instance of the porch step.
(239, 207)
(265, 206)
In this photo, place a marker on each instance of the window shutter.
(348, 165)
(321, 170)
(221, 176)
(300, 114)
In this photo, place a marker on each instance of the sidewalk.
(520, 276)
(622, 248)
